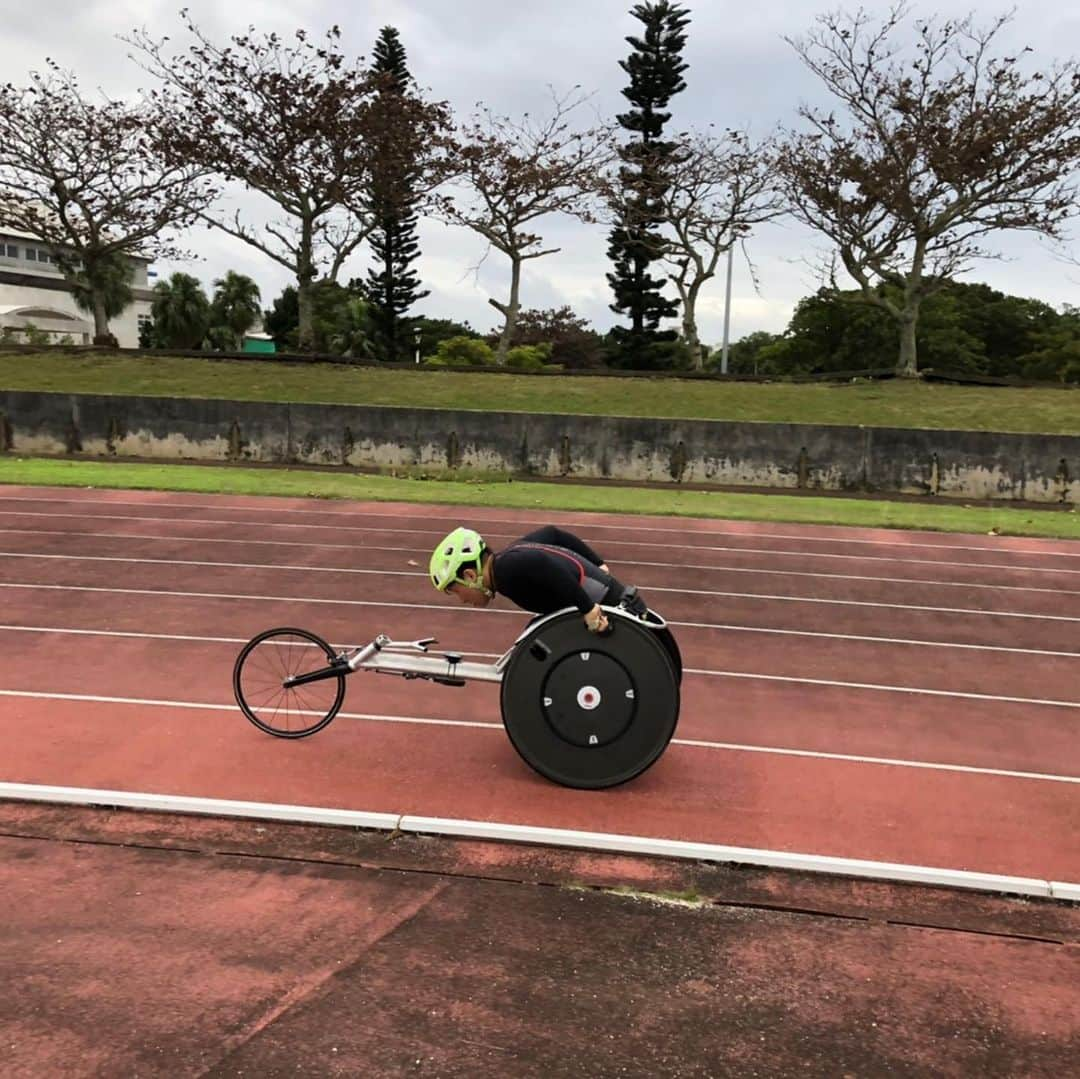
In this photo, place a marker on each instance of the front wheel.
(263, 667)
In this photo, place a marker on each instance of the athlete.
(545, 571)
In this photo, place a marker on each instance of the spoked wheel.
(270, 660)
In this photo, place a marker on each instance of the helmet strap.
(477, 585)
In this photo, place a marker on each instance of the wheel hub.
(588, 699)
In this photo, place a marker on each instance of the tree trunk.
(509, 312)
(908, 364)
(305, 279)
(637, 310)
(390, 313)
(306, 332)
(101, 320)
(689, 323)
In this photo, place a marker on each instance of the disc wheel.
(266, 662)
(667, 639)
(585, 711)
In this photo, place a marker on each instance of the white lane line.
(552, 837)
(886, 606)
(310, 545)
(152, 702)
(450, 516)
(275, 599)
(928, 582)
(124, 633)
(760, 571)
(419, 573)
(881, 688)
(693, 743)
(185, 637)
(882, 640)
(221, 565)
(495, 655)
(494, 610)
(781, 751)
(615, 541)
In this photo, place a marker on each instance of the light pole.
(417, 334)
(727, 310)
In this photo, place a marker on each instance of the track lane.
(848, 804)
(810, 536)
(1052, 556)
(977, 823)
(342, 620)
(806, 718)
(403, 567)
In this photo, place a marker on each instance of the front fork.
(343, 664)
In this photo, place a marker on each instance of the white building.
(33, 292)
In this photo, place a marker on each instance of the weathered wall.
(964, 464)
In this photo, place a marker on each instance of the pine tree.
(655, 68)
(392, 287)
(390, 61)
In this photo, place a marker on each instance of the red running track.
(892, 696)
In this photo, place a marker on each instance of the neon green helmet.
(460, 550)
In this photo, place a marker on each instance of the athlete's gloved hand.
(596, 621)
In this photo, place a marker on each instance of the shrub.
(26, 335)
(529, 357)
(573, 343)
(1051, 364)
(454, 351)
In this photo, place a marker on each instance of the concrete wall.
(961, 464)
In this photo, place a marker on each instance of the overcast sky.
(741, 73)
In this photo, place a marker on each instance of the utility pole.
(727, 310)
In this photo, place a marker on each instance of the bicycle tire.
(277, 668)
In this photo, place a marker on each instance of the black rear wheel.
(667, 639)
(263, 667)
(586, 711)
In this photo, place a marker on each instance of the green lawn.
(878, 404)
(540, 497)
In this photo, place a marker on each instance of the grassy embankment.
(872, 404)
(897, 403)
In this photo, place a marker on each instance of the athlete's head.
(457, 567)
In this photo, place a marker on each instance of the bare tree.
(937, 152)
(720, 187)
(88, 179)
(299, 125)
(512, 173)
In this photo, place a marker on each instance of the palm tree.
(352, 331)
(181, 312)
(114, 276)
(235, 308)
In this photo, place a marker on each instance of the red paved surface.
(144, 944)
(769, 667)
(210, 948)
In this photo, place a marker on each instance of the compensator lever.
(408, 646)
